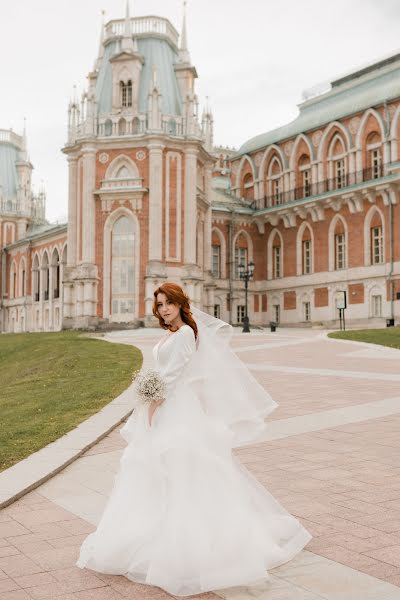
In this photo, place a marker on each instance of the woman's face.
(167, 309)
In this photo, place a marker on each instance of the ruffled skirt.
(184, 514)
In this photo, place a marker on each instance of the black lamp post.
(246, 275)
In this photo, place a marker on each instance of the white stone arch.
(245, 158)
(361, 127)
(249, 243)
(292, 159)
(108, 226)
(271, 237)
(121, 161)
(21, 277)
(325, 136)
(336, 138)
(331, 241)
(367, 237)
(273, 149)
(13, 271)
(222, 241)
(274, 160)
(299, 247)
(44, 260)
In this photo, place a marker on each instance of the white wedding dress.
(184, 514)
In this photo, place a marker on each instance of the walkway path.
(330, 456)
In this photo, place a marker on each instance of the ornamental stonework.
(235, 167)
(104, 158)
(316, 138)
(140, 155)
(289, 147)
(354, 125)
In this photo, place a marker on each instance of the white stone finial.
(184, 56)
(127, 41)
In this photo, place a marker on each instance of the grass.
(389, 336)
(51, 382)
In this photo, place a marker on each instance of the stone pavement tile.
(27, 581)
(10, 528)
(77, 526)
(56, 558)
(358, 505)
(390, 555)
(15, 595)
(383, 516)
(8, 585)
(104, 593)
(19, 565)
(71, 540)
(8, 551)
(345, 525)
(389, 526)
(48, 515)
(47, 531)
(382, 571)
(355, 544)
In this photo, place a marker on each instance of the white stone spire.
(184, 56)
(101, 43)
(127, 44)
(24, 152)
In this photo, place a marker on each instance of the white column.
(208, 224)
(155, 201)
(72, 210)
(189, 242)
(88, 207)
(51, 276)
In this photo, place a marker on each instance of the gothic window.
(122, 270)
(376, 245)
(376, 307)
(240, 258)
(376, 163)
(306, 256)
(240, 313)
(126, 94)
(340, 251)
(339, 173)
(276, 256)
(216, 261)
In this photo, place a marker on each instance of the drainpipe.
(231, 261)
(389, 275)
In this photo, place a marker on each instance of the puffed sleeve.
(182, 348)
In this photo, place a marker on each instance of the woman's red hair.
(175, 294)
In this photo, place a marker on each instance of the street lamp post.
(246, 275)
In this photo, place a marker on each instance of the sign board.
(341, 300)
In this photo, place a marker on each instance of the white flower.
(149, 385)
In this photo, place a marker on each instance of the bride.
(184, 514)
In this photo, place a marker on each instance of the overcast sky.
(253, 57)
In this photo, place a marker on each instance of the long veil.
(227, 390)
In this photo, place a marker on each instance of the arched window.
(55, 266)
(46, 276)
(275, 182)
(216, 260)
(108, 126)
(304, 176)
(340, 246)
(36, 279)
(337, 164)
(135, 126)
(241, 254)
(122, 127)
(122, 269)
(306, 252)
(374, 237)
(126, 93)
(374, 157)
(13, 280)
(248, 187)
(276, 258)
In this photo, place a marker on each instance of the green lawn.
(389, 336)
(51, 382)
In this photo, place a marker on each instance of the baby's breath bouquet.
(149, 385)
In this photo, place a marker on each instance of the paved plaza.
(331, 456)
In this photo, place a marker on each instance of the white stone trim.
(270, 270)
(223, 251)
(169, 157)
(331, 243)
(367, 234)
(299, 248)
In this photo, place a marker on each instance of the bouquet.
(149, 385)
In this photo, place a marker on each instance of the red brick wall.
(321, 297)
(289, 300)
(356, 293)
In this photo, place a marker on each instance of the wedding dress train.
(184, 514)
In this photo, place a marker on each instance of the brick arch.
(244, 234)
(301, 146)
(246, 165)
(371, 120)
(330, 131)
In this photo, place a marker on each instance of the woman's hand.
(153, 407)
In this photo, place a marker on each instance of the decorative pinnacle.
(183, 50)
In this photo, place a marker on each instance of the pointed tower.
(185, 71)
